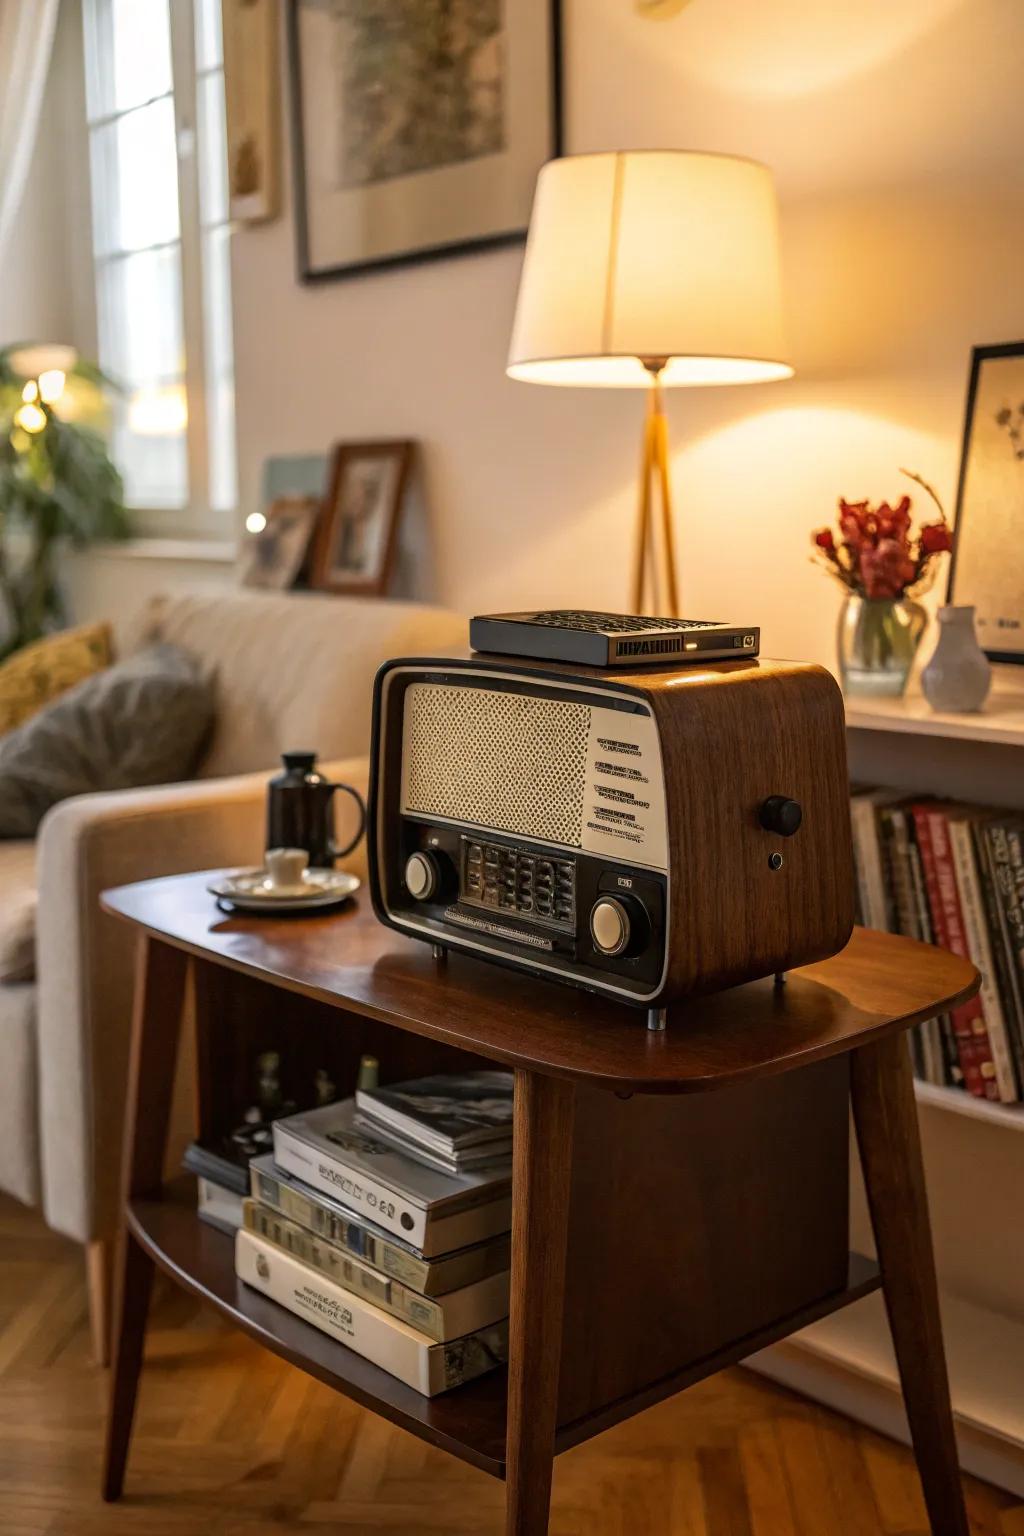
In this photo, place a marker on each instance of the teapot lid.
(304, 760)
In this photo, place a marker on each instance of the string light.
(255, 522)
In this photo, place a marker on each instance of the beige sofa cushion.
(17, 912)
(286, 663)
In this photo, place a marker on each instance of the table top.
(878, 984)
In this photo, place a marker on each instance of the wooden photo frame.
(422, 139)
(274, 556)
(358, 532)
(987, 569)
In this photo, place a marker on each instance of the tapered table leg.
(156, 1026)
(541, 1163)
(885, 1112)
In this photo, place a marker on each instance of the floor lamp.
(651, 269)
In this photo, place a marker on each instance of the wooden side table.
(679, 1200)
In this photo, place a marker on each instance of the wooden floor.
(231, 1442)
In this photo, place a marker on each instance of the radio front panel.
(526, 821)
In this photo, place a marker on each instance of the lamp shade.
(661, 255)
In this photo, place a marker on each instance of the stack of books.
(952, 874)
(373, 1231)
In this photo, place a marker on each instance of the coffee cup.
(286, 866)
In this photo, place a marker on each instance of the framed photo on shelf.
(273, 556)
(987, 569)
(418, 127)
(357, 535)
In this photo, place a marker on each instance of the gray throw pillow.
(143, 721)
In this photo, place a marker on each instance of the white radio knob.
(610, 926)
(421, 876)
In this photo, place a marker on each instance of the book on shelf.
(443, 1318)
(388, 1342)
(328, 1218)
(952, 874)
(452, 1121)
(435, 1212)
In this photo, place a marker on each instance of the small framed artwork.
(251, 75)
(273, 555)
(987, 569)
(419, 126)
(356, 539)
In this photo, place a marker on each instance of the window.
(158, 156)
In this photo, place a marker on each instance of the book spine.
(1015, 850)
(969, 886)
(903, 891)
(968, 1019)
(994, 863)
(869, 863)
(387, 1342)
(961, 1056)
(459, 1312)
(347, 1233)
(367, 1196)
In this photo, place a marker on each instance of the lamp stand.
(654, 569)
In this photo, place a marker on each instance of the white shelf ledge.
(1001, 722)
(847, 1361)
(958, 1102)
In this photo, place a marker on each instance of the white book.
(976, 930)
(402, 1351)
(435, 1212)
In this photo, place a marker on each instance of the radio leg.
(440, 953)
(656, 1019)
(780, 978)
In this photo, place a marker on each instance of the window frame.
(196, 518)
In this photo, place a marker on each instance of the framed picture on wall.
(357, 536)
(251, 74)
(988, 555)
(418, 126)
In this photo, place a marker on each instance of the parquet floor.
(232, 1442)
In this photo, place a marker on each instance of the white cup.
(286, 866)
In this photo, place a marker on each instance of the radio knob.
(610, 926)
(422, 876)
(782, 815)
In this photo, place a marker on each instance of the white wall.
(894, 130)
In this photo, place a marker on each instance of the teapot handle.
(335, 851)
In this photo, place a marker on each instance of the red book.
(967, 1042)
(969, 1018)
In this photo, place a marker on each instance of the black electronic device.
(611, 639)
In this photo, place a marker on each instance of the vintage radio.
(645, 834)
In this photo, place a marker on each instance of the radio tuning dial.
(422, 876)
(610, 926)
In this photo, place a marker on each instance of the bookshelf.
(974, 1161)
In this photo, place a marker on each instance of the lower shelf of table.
(469, 1422)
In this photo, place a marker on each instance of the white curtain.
(26, 42)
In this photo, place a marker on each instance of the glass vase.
(877, 641)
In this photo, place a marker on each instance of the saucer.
(250, 890)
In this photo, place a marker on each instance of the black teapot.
(300, 814)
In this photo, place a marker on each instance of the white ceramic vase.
(959, 674)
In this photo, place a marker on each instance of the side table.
(679, 1199)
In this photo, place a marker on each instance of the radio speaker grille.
(501, 760)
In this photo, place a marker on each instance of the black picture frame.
(311, 275)
(979, 357)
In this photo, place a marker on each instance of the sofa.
(293, 671)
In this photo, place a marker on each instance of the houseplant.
(57, 483)
(883, 566)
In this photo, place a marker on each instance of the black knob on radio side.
(422, 875)
(780, 814)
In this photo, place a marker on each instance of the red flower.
(936, 538)
(886, 568)
(824, 540)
